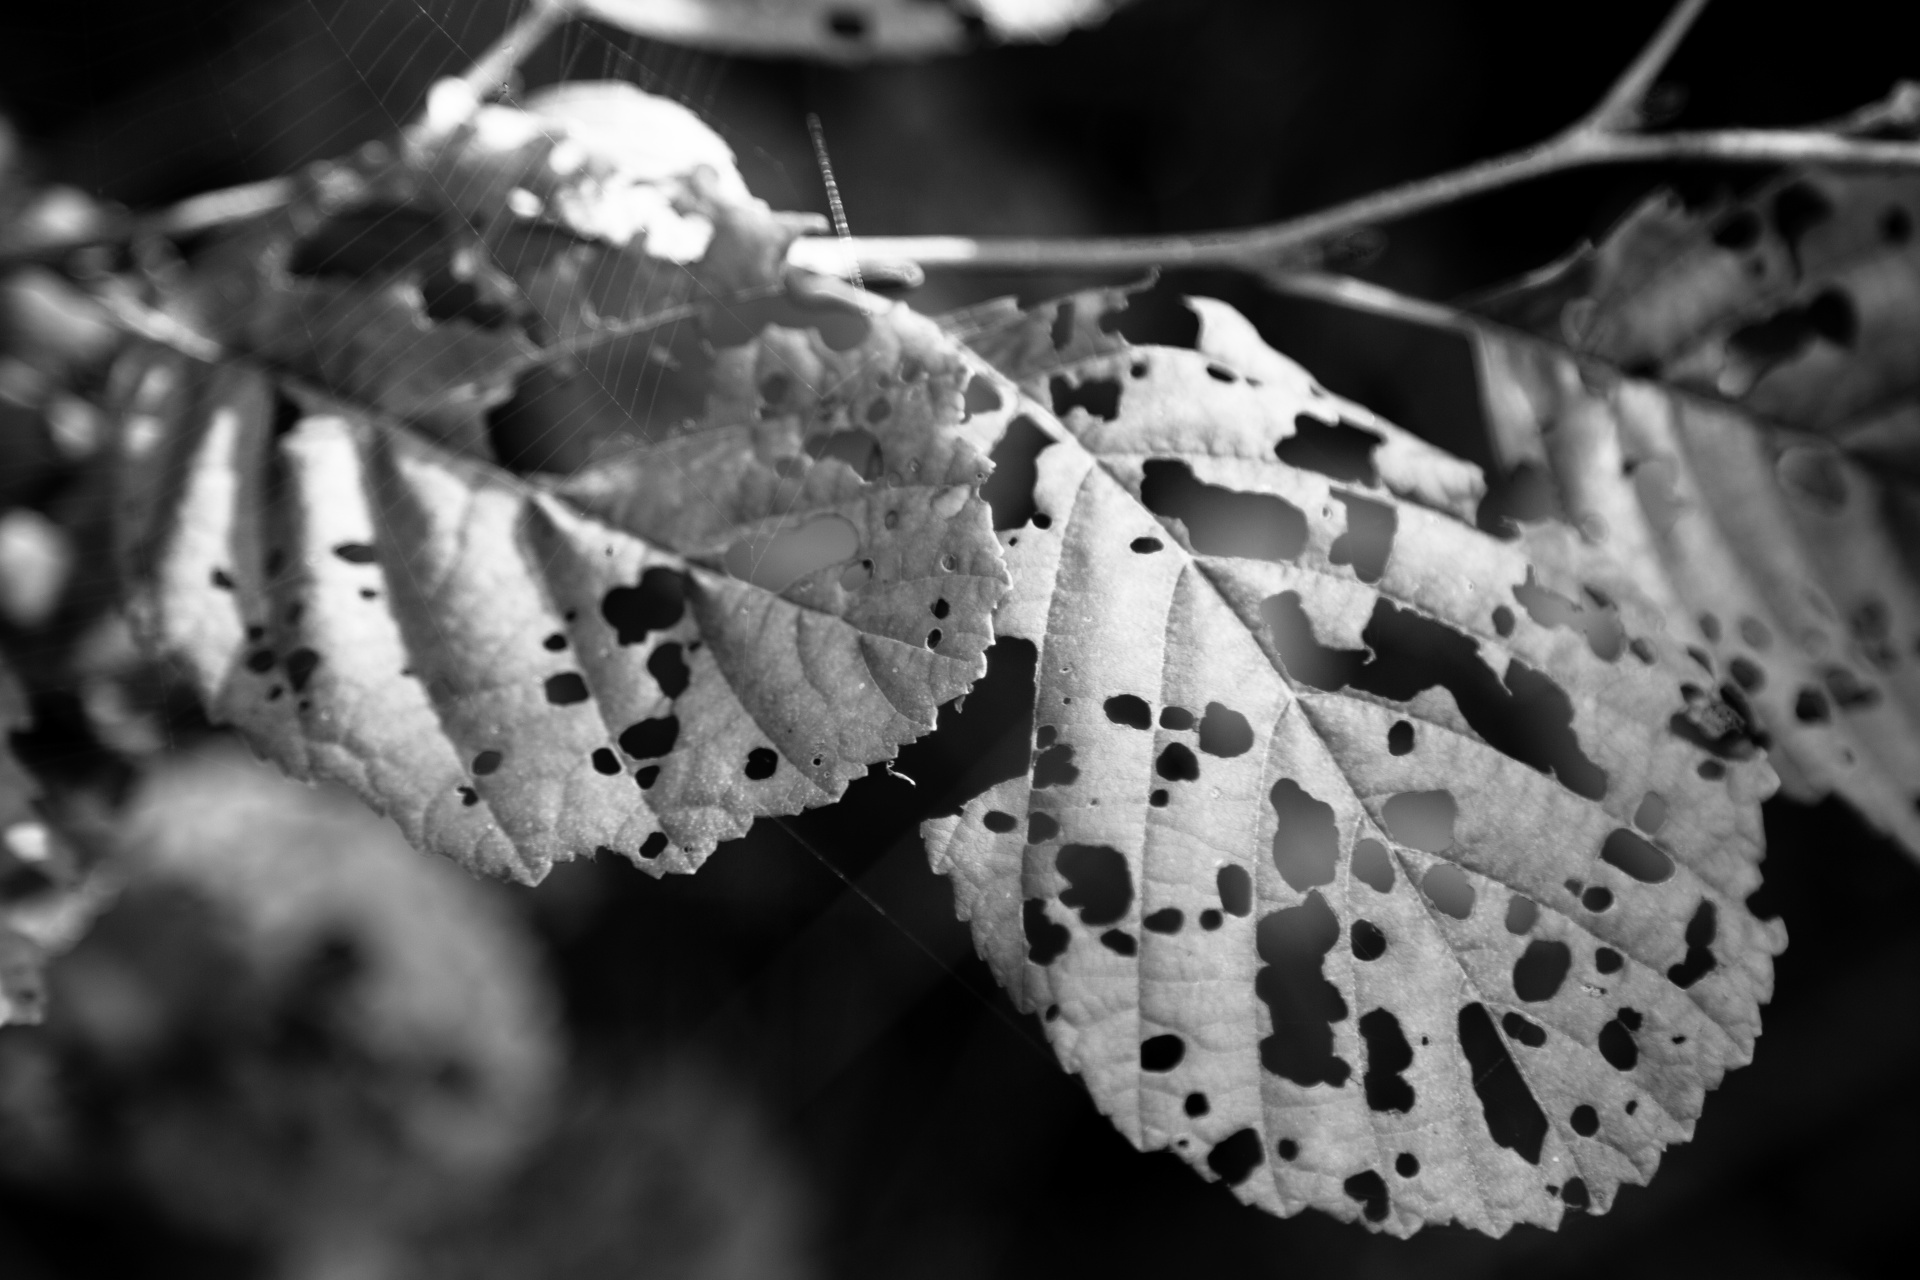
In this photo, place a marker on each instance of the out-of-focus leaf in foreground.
(838, 31)
(48, 891)
(290, 1029)
(1757, 470)
(1337, 868)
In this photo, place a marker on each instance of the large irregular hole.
(1177, 763)
(1599, 622)
(1341, 451)
(655, 603)
(1368, 539)
(1130, 710)
(1617, 1044)
(1306, 840)
(1046, 940)
(669, 669)
(1524, 715)
(1099, 884)
(1301, 1003)
(1016, 468)
(1098, 396)
(649, 739)
(777, 562)
(1370, 1189)
(1699, 960)
(1514, 1119)
(1388, 1054)
(1220, 521)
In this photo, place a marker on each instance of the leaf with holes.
(502, 254)
(49, 893)
(849, 30)
(641, 658)
(1755, 474)
(1336, 870)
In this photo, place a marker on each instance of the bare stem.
(1622, 109)
(493, 69)
(1262, 248)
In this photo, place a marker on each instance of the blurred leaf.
(290, 1029)
(641, 658)
(48, 892)
(848, 30)
(1346, 866)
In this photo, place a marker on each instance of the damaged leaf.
(836, 31)
(1336, 870)
(642, 657)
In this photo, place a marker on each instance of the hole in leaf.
(1041, 827)
(1220, 521)
(1046, 940)
(1540, 970)
(1448, 889)
(1236, 1156)
(654, 845)
(1388, 1054)
(1617, 1044)
(1341, 451)
(1224, 732)
(1098, 396)
(1370, 1189)
(650, 738)
(605, 762)
(1196, 1104)
(1235, 887)
(1368, 538)
(761, 763)
(1165, 920)
(1118, 942)
(859, 449)
(1634, 854)
(1368, 940)
(1406, 1164)
(1597, 899)
(1521, 914)
(654, 604)
(1130, 710)
(1523, 1032)
(668, 669)
(486, 762)
(562, 690)
(998, 822)
(1162, 1053)
(1009, 490)
(1699, 960)
(1177, 763)
(1099, 884)
(1306, 841)
(1400, 738)
(777, 562)
(1607, 960)
(1301, 1003)
(981, 396)
(1514, 1119)
(1146, 546)
(1179, 719)
(1585, 1120)
(1373, 864)
(1420, 819)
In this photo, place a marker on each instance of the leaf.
(1334, 870)
(642, 657)
(1776, 509)
(497, 243)
(48, 894)
(848, 30)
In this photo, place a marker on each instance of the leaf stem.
(1623, 109)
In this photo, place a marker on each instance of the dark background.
(934, 1133)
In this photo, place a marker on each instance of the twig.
(1622, 110)
(1604, 136)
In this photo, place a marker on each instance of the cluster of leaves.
(1368, 860)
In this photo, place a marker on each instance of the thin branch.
(1262, 248)
(1622, 110)
(491, 72)
(1360, 295)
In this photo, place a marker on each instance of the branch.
(1622, 110)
